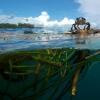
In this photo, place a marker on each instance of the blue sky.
(57, 9)
(51, 12)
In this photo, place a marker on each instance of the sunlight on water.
(13, 41)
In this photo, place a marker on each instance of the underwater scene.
(49, 49)
(49, 65)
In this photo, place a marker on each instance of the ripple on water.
(10, 42)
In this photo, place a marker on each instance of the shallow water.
(40, 85)
(15, 41)
(88, 84)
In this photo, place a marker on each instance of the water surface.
(15, 41)
(54, 42)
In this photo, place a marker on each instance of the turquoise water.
(88, 86)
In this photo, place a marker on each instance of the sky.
(49, 12)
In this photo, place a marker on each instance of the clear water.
(88, 87)
(13, 41)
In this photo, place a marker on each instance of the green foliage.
(20, 25)
(7, 25)
(24, 25)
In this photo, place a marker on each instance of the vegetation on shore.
(19, 25)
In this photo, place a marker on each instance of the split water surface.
(49, 67)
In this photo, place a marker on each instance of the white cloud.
(90, 9)
(42, 20)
